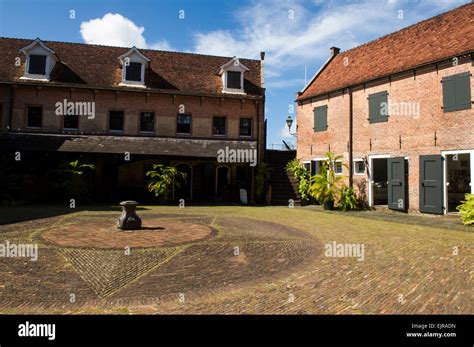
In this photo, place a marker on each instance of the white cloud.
(294, 32)
(161, 45)
(113, 29)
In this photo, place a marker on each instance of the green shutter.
(320, 118)
(383, 98)
(375, 107)
(463, 91)
(449, 95)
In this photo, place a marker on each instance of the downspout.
(10, 111)
(351, 115)
(262, 86)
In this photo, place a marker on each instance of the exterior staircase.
(284, 185)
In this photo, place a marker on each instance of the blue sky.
(295, 34)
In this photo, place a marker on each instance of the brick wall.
(403, 135)
(166, 108)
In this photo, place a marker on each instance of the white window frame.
(354, 167)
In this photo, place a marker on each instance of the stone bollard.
(129, 219)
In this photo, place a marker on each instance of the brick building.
(127, 108)
(399, 110)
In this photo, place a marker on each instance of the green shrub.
(466, 209)
(163, 178)
(348, 199)
(301, 174)
(325, 186)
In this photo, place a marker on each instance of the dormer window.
(40, 61)
(134, 64)
(232, 74)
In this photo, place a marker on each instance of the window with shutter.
(378, 107)
(320, 118)
(457, 92)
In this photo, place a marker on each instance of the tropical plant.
(77, 180)
(348, 199)
(262, 182)
(163, 178)
(466, 210)
(302, 175)
(325, 186)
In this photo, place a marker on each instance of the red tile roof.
(434, 39)
(97, 66)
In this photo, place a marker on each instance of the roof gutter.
(10, 111)
(227, 96)
(352, 86)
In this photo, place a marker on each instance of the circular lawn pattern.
(104, 234)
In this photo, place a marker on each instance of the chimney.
(262, 69)
(262, 55)
(335, 51)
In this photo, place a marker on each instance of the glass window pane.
(233, 80)
(245, 126)
(37, 65)
(35, 115)
(71, 122)
(134, 72)
(116, 120)
(218, 127)
(147, 122)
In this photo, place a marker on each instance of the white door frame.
(445, 172)
(370, 157)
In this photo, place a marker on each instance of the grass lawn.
(412, 264)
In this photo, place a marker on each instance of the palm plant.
(326, 185)
(163, 178)
(77, 180)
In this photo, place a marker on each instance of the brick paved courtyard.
(238, 260)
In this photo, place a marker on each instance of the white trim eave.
(233, 62)
(37, 41)
(326, 63)
(130, 52)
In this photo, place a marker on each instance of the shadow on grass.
(9, 215)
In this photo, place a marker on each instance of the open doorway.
(379, 180)
(458, 179)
